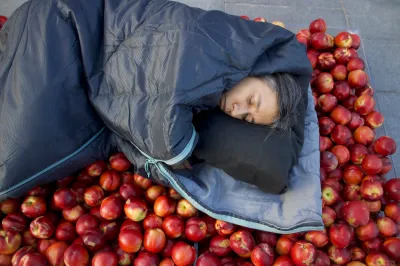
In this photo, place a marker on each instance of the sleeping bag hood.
(81, 79)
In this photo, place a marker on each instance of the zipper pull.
(147, 166)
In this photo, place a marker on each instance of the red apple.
(372, 164)
(39, 191)
(341, 153)
(135, 209)
(303, 36)
(371, 190)
(392, 210)
(93, 196)
(364, 104)
(339, 72)
(367, 90)
(109, 229)
(357, 153)
(325, 82)
(352, 192)
(164, 206)
(195, 229)
(44, 244)
(377, 258)
(282, 261)
(266, 237)
(16, 257)
(391, 247)
(386, 166)
(73, 214)
(242, 243)
(340, 235)
(367, 232)
(124, 258)
(145, 258)
(14, 221)
(105, 258)
(336, 174)
(220, 245)
(355, 213)
(339, 255)
(111, 208)
(127, 177)
(33, 207)
(183, 254)
(341, 135)
(224, 228)
(32, 259)
(326, 61)
(153, 192)
(142, 182)
(167, 251)
(329, 161)
(11, 205)
(385, 146)
(302, 253)
(357, 254)
(386, 226)
(64, 198)
(172, 193)
(372, 245)
(364, 135)
(326, 125)
(76, 255)
(10, 241)
(185, 209)
(342, 55)
(356, 121)
(355, 41)
(327, 102)
(93, 239)
(130, 240)
(42, 227)
(119, 162)
(28, 239)
(318, 238)
(357, 78)
(343, 39)
(173, 226)
(329, 195)
(95, 169)
(283, 245)
(392, 189)
(259, 19)
(349, 101)
(127, 190)
(373, 206)
(85, 222)
(352, 174)
(341, 89)
(317, 25)
(353, 53)
(312, 57)
(340, 115)
(55, 253)
(262, 254)
(154, 240)
(355, 63)
(65, 231)
(152, 221)
(321, 259)
(110, 180)
(374, 119)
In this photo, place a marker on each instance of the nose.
(238, 110)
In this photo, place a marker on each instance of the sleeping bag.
(81, 79)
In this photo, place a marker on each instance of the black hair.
(289, 95)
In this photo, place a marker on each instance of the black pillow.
(251, 153)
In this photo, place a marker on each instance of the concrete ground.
(376, 21)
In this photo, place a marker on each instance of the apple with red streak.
(352, 192)
(152, 221)
(119, 162)
(357, 78)
(96, 168)
(110, 180)
(65, 231)
(195, 229)
(283, 260)
(355, 213)
(355, 63)
(392, 210)
(364, 135)
(135, 209)
(364, 104)
(318, 238)
(321, 259)
(10, 241)
(55, 253)
(44, 244)
(16, 257)
(367, 232)
(85, 222)
(385, 146)
(42, 227)
(339, 72)
(173, 226)
(356, 121)
(340, 115)
(111, 207)
(154, 240)
(344, 40)
(372, 164)
(373, 206)
(14, 221)
(142, 182)
(326, 61)
(357, 153)
(153, 192)
(372, 245)
(329, 195)
(329, 161)
(326, 125)
(242, 243)
(377, 258)
(64, 198)
(339, 255)
(340, 235)
(93, 239)
(224, 228)
(349, 101)
(325, 82)
(183, 253)
(76, 255)
(185, 209)
(262, 254)
(371, 190)
(341, 89)
(302, 253)
(128, 190)
(33, 206)
(130, 240)
(391, 247)
(220, 245)
(164, 206)
(342, 55)
(32, 259)
(105, 258)
(352, 174)
(341, 153)
(386, 227)
(326, 102)
(374, 119)
(357, 254)
(283, 245)
(392, 189)
(124, 258)
(341, 135)
(93, 196)
(318, 25)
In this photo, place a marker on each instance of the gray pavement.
(376, 21)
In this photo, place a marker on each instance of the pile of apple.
(108, 215)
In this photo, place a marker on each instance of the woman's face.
(251, 100)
